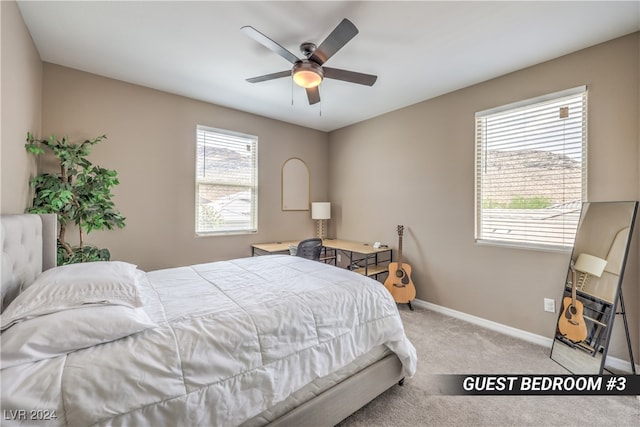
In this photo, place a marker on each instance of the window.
(531, 171)
(226, 182)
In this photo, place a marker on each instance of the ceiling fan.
(309, 71)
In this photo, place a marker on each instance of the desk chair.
(310, 248)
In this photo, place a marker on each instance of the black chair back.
(310, 248)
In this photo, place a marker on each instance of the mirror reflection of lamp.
(320, 211)
(588, 265)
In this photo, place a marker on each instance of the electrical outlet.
(550, 305)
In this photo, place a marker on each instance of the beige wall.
(415, 167)
(21, 83)
(412, 167)
(151, 143)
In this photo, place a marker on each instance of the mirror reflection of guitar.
(399, 281)
(571, 323)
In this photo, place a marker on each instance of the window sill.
(225, 233)
(525, 246)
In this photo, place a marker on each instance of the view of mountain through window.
(226, 181)
(531, 170)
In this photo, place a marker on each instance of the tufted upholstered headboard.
(28, 248)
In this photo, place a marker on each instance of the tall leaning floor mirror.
(592, 295)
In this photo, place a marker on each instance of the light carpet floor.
(446, 345)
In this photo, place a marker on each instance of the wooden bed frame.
(29, 247)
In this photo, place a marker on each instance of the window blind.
(226, 181)
(531, 170)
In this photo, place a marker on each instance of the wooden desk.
(272, 248)
(376, 260)
(283, 248)
(363, 257)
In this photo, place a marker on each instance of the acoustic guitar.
(399, 281)
(571, 323)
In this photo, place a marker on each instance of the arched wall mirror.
(592, 291)
(295, 185)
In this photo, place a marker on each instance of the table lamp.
(589, 265)
(320, 211)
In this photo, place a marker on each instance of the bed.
(271, 340)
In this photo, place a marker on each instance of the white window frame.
(242, 218)
(552, 224)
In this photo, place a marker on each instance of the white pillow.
(48, 336)
(73, 286)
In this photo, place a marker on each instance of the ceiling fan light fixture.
(307, 74)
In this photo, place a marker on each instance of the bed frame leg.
(401, 382)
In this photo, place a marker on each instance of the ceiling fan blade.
(349, 76)
(344, 32)
(269, 44)
(271, 76)
(313, 94)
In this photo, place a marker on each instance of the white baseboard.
(612, 362)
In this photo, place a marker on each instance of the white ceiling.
(418, 49)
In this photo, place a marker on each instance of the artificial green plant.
(79, 194)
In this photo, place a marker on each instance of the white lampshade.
(321, 210)
(591, 265)
(307, 74)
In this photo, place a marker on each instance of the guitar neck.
(400, 251)
(573, 287)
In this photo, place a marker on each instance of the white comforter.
(233, 339)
